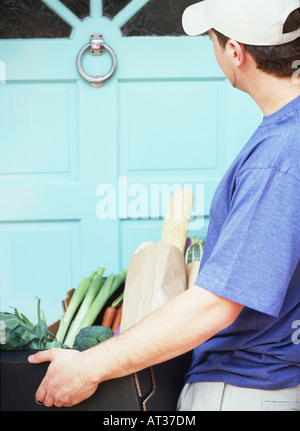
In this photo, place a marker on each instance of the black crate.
(154, 389)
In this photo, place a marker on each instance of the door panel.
(29, 266)
(84, 170)
(43, 148)
(190, 106)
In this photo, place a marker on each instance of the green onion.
(89, 297)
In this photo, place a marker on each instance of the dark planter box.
(153, 389)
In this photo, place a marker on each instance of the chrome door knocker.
(97, 47)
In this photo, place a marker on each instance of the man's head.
(266, 32)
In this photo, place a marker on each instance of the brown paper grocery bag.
(157, 271)
(155, 275)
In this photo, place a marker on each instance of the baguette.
(177, 218)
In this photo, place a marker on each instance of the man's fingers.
(43, 356)
(41, 393)
(48, 401)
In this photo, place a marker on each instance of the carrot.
(109, 316)
(117, 321)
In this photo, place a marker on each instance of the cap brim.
(195, 21)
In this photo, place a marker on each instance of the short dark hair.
(275, 60)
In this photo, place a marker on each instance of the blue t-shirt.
(252, 257)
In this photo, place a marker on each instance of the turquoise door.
(85, 171)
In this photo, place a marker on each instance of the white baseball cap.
(253, 22)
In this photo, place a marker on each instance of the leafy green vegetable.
(91, 336)
(194, 252)
(19, 333)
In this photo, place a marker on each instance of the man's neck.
(272, 93)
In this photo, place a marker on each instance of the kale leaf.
(17, 332)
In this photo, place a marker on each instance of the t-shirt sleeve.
(258, 249)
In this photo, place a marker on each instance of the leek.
(75, 302)
(89, 297)
(112, 283)
(110, 286)
(118, 301)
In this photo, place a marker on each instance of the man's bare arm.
(180, 325)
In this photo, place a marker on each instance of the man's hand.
(69, 379)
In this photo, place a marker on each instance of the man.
(241, 315)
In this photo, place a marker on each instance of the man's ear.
(236, 52)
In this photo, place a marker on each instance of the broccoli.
(90, 336)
